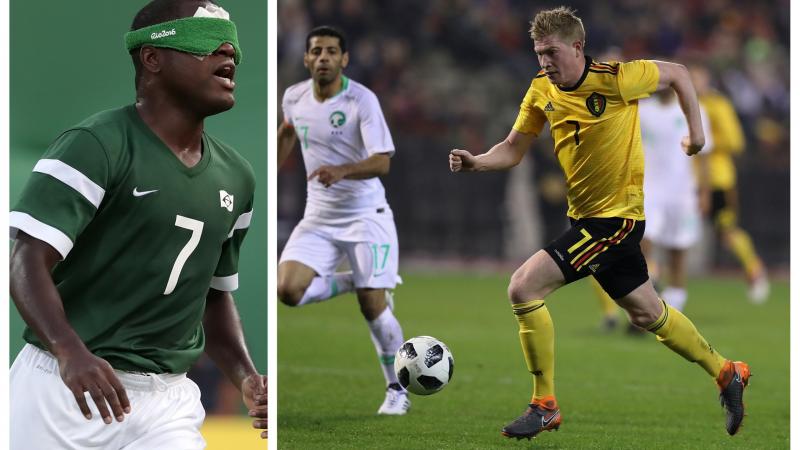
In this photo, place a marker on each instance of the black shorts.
(723, 212)
(719, 202)
(608, 249)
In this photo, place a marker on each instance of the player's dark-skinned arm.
(287, 139)
(677, 77)
(226, 346)
(502, 156)
(39, 304)
(375, 166)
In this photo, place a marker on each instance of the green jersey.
(142, 237)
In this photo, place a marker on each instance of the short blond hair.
(560, 21)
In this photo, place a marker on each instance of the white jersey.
(668, 172)
(344, 129)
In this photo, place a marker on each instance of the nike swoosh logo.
(137, 193)
(546, 422)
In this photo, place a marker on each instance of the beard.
(324, 79)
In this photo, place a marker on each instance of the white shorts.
(166, 412)
(369, 242)
(675, 225)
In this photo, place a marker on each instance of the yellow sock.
(677, 332)
(608, 305)
(536, 337)
(742, 247)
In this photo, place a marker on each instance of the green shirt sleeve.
(64, 191)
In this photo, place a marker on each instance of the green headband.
(196, 35)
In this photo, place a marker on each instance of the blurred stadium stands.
(451, 74)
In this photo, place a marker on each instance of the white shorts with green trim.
(368, 242)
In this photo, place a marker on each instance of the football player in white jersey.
(346, 146)
(673, 199)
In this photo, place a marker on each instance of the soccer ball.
(424, 365)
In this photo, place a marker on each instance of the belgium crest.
(596, 103)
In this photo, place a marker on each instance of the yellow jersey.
(726, 131)
(595, 126)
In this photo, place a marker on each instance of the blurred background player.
(728, 143)
(592, 109)
(673, 198)
(128, 235)
(346, 146)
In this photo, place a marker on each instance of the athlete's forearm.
(677, 77)
(504, 155)
(286, 142)
(224, 337)
(374, 166)
(36, 297)
(687, 97)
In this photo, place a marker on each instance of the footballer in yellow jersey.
(728, 142)
(725, 126)
(595, 126)
(592, 108)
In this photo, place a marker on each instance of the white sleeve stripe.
(242, 222)
(72, 178)
(58, 240)
(227, 284)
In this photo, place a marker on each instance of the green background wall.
(68, 61)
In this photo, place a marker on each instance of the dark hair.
(158, 11)
(327, 30)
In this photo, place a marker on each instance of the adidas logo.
(593, 267)
(549, 107)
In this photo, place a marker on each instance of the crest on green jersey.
(596, 103)
(226, 200)
(337, 119)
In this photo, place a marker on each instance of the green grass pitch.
(615, 391)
